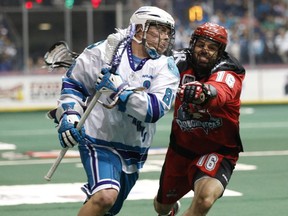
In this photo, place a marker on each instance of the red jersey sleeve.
(228, 85)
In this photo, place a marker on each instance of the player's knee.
(205, 202)
(105, 199)
(209, 190)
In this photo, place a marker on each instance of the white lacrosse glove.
(108, 82)
(67, 116)
(118, 90)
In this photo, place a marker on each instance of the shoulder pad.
(228, 63)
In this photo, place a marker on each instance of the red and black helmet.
(212, 32)
(215, 33)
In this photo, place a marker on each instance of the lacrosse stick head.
(116, 44)
(59, 55)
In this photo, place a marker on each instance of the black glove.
(196, 93)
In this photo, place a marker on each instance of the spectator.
(270, 50)
(7, 53)
(257, 48)
(281, 42)
(234, 46)
(181, 38)
(286, 86)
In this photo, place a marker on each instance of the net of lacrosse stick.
(59, 55)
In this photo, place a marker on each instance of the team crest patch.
(189, 119)
(147, 84)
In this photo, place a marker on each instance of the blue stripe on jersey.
(155, 109)
(133, 155)
(73, 92)
(70, 86)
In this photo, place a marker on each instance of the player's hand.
(118, 90)
(108, 82)
(68, 135)
(193, 92)
(113, 85)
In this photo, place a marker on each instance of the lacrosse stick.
(114, 51)
(59, 55)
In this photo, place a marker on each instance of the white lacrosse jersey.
(127, 133)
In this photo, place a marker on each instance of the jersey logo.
(147, 84)
(189, 117)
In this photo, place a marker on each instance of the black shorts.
(223, 173)
(180, 173)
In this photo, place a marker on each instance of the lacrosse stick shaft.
(63, 151)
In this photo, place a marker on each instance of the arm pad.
(69, 108)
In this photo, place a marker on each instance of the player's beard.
(203, 64)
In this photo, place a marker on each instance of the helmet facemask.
(161, 48)
(200, 69)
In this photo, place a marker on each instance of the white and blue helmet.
(147, 15)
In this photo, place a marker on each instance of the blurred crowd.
(8, 50)
(266, 44)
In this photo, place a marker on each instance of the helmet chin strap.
(135, 39)
(152, 52)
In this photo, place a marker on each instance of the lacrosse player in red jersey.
(204, 141)
(117, 134)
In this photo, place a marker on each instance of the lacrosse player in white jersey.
(116, 136)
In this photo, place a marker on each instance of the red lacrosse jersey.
(214, 127)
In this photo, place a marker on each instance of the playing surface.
(259, 185)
